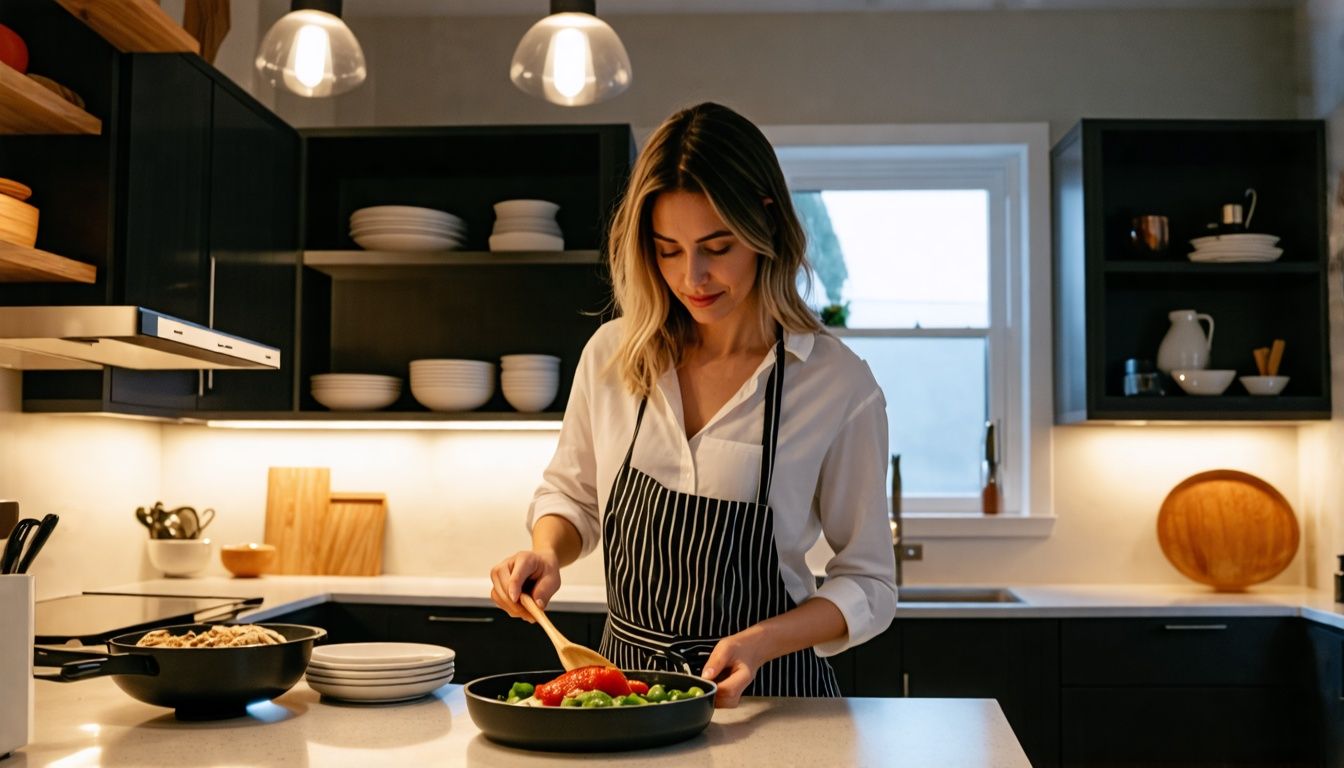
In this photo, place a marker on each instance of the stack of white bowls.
(530, 382)
(452, 385)
(377, 673)
(355, 391)
(1236, 247)
(526, 225)
(406, 228)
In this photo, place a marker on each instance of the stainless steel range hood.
(84, 338)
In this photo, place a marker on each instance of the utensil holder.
(16, 661)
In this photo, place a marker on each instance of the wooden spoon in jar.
(572, 655)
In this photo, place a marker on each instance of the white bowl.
(508, 360)
(526, 241)
(356, 399)
(540, 208)
(362, 378)
(180, 557)
(1204, 382)
(1264, 385)
(452, 398)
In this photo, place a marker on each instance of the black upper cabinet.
(201, 187)
(1111, 303)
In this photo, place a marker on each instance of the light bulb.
(311, 56)
(312, 53)
(569, 63)
(571, 59)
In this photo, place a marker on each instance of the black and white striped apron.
(683, 571)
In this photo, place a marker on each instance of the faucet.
(897, 530)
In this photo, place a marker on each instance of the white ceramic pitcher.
(1185, 347)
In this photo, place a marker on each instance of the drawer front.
(1180, 651)
(1183, 726)
(487, 641)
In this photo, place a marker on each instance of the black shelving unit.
(1110, 305)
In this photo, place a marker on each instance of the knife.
(14, 547)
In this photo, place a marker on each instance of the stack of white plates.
(406, 228)
(379, 672)
(1239, 246)
(529, 381)
(452, 385)
(526, 225)
(355, 391)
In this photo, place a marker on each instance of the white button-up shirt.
(829, 475)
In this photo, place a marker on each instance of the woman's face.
(711, 272)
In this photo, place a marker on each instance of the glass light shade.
(571, 59)
(312, 53)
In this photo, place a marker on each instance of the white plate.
(406, 242)
(403, 211)
(370, 675)
(379, 693)
(1243, 238)
(388, 678)
(376, 655)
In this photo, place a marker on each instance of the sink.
(955, 595)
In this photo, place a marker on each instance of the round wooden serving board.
(1227, 529)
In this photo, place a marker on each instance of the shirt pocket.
(727, 470)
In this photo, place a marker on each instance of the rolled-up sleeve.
(569, 484)
(851, 501)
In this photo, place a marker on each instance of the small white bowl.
(180, 557)
(1264, 385)
(526, 241)
(1206, 382)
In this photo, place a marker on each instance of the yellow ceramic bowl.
(247, 560)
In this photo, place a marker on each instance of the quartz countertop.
(285, 593)
(94, 723)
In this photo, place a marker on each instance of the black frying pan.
(572, 729)
(199, 683)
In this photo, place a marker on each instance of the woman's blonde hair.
(712, 150)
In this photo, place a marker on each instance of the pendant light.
(571, 57)
(311, 51)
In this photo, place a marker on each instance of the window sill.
(964, 526)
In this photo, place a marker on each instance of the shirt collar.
(799, 344)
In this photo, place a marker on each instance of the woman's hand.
(733, 664)
(508, 577)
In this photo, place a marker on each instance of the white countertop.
(93, 722)
(284, 593)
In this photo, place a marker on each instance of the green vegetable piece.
(633, 700)
(512, 700)
(656, 694)
(591, 699)
(676, 695)
(694, 691)
(521, 690)
(571, 701)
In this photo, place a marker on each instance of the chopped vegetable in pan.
(595, 687)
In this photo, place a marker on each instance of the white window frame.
(1011, 161)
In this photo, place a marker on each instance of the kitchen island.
(93, 722)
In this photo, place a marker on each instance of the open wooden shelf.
(32, 265)
(375, 264)
(133, 26)
(28, 107)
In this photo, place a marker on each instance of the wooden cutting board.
(297, 503)
(352, 537)
(1227, 529)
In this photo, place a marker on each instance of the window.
(927, 241)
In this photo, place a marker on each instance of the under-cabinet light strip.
(468, 426)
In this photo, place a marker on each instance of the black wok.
(573, 729)
(199, 683)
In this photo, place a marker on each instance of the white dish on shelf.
(1264, 385)
(379, 694)
(365, 675)
(378, 655)
(404, 212)
(534, 208)
(1205, 381)
(452, 398)
(406, 242)
(522, 359)
(526, 241)
(355, 378)
(382, 678)
(355, 400)
(1235, 238)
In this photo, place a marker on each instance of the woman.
(713, 432)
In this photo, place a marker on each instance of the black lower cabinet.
(1327, 656)
(487, 641)
(1194, 691)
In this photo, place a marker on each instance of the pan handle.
(74, 665)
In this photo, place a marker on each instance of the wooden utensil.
(1275, 357)
(572, 655)
(1261, 360)
(208, 22)
(1227, 529)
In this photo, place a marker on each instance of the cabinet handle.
(206, 379)
(905, 684)
(1195, 627)
(461, 619)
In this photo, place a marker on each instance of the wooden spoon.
(572, 655)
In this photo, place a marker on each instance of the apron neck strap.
(774, 399)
